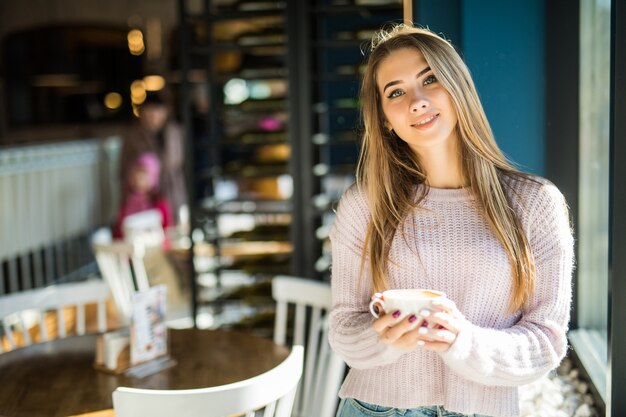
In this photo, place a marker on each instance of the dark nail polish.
(396, 314)
(412, 318)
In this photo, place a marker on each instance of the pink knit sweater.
(448, 246)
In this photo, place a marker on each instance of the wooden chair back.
(25, 316)
(121, 265)
(323, 369)
(274, 390)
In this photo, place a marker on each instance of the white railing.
(51, 195)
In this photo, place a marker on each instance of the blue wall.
(503, 45)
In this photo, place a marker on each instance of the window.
(590, 339)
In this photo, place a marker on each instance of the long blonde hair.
(389, 172)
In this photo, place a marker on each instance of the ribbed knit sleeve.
(351, 334)
(537, 342)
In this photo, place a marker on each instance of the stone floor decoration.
(562, 393)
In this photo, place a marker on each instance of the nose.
(419, 104)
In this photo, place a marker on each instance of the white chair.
(121, 265)
(324, 369)
(22, 311)
(274, 390)
(145, 228)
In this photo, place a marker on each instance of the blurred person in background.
(157, 132)
(143, 192)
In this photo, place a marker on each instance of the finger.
(436, 335)
(407, 324)
(385, 320)
(424, 314)
(444, 320)
(448, 306)
(408, 341)
(435, 346)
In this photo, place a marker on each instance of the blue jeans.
(349, 407)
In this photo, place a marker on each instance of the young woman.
(438, 206)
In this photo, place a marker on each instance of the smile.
(426, 122)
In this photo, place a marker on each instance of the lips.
(426, 121)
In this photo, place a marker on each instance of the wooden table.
(57, 378)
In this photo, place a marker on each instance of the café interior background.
(67, 67)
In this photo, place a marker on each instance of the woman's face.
(414, 103)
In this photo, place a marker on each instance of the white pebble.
(588, 399)
(565, 366)
(582, 387)
(570, 404)
(558, 394)
(553, 399)
(584, 411)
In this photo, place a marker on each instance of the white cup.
(407, 301)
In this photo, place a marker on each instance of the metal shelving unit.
(318, 65)
(250, 168)
(339, 30)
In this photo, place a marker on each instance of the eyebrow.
(419, 74)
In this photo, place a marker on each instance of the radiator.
(51, 198)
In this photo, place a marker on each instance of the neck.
(443, 166)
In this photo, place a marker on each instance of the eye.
(395, 93)
(430, 79)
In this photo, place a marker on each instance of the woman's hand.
(434, 330)
(444, 324)
(401, 334)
